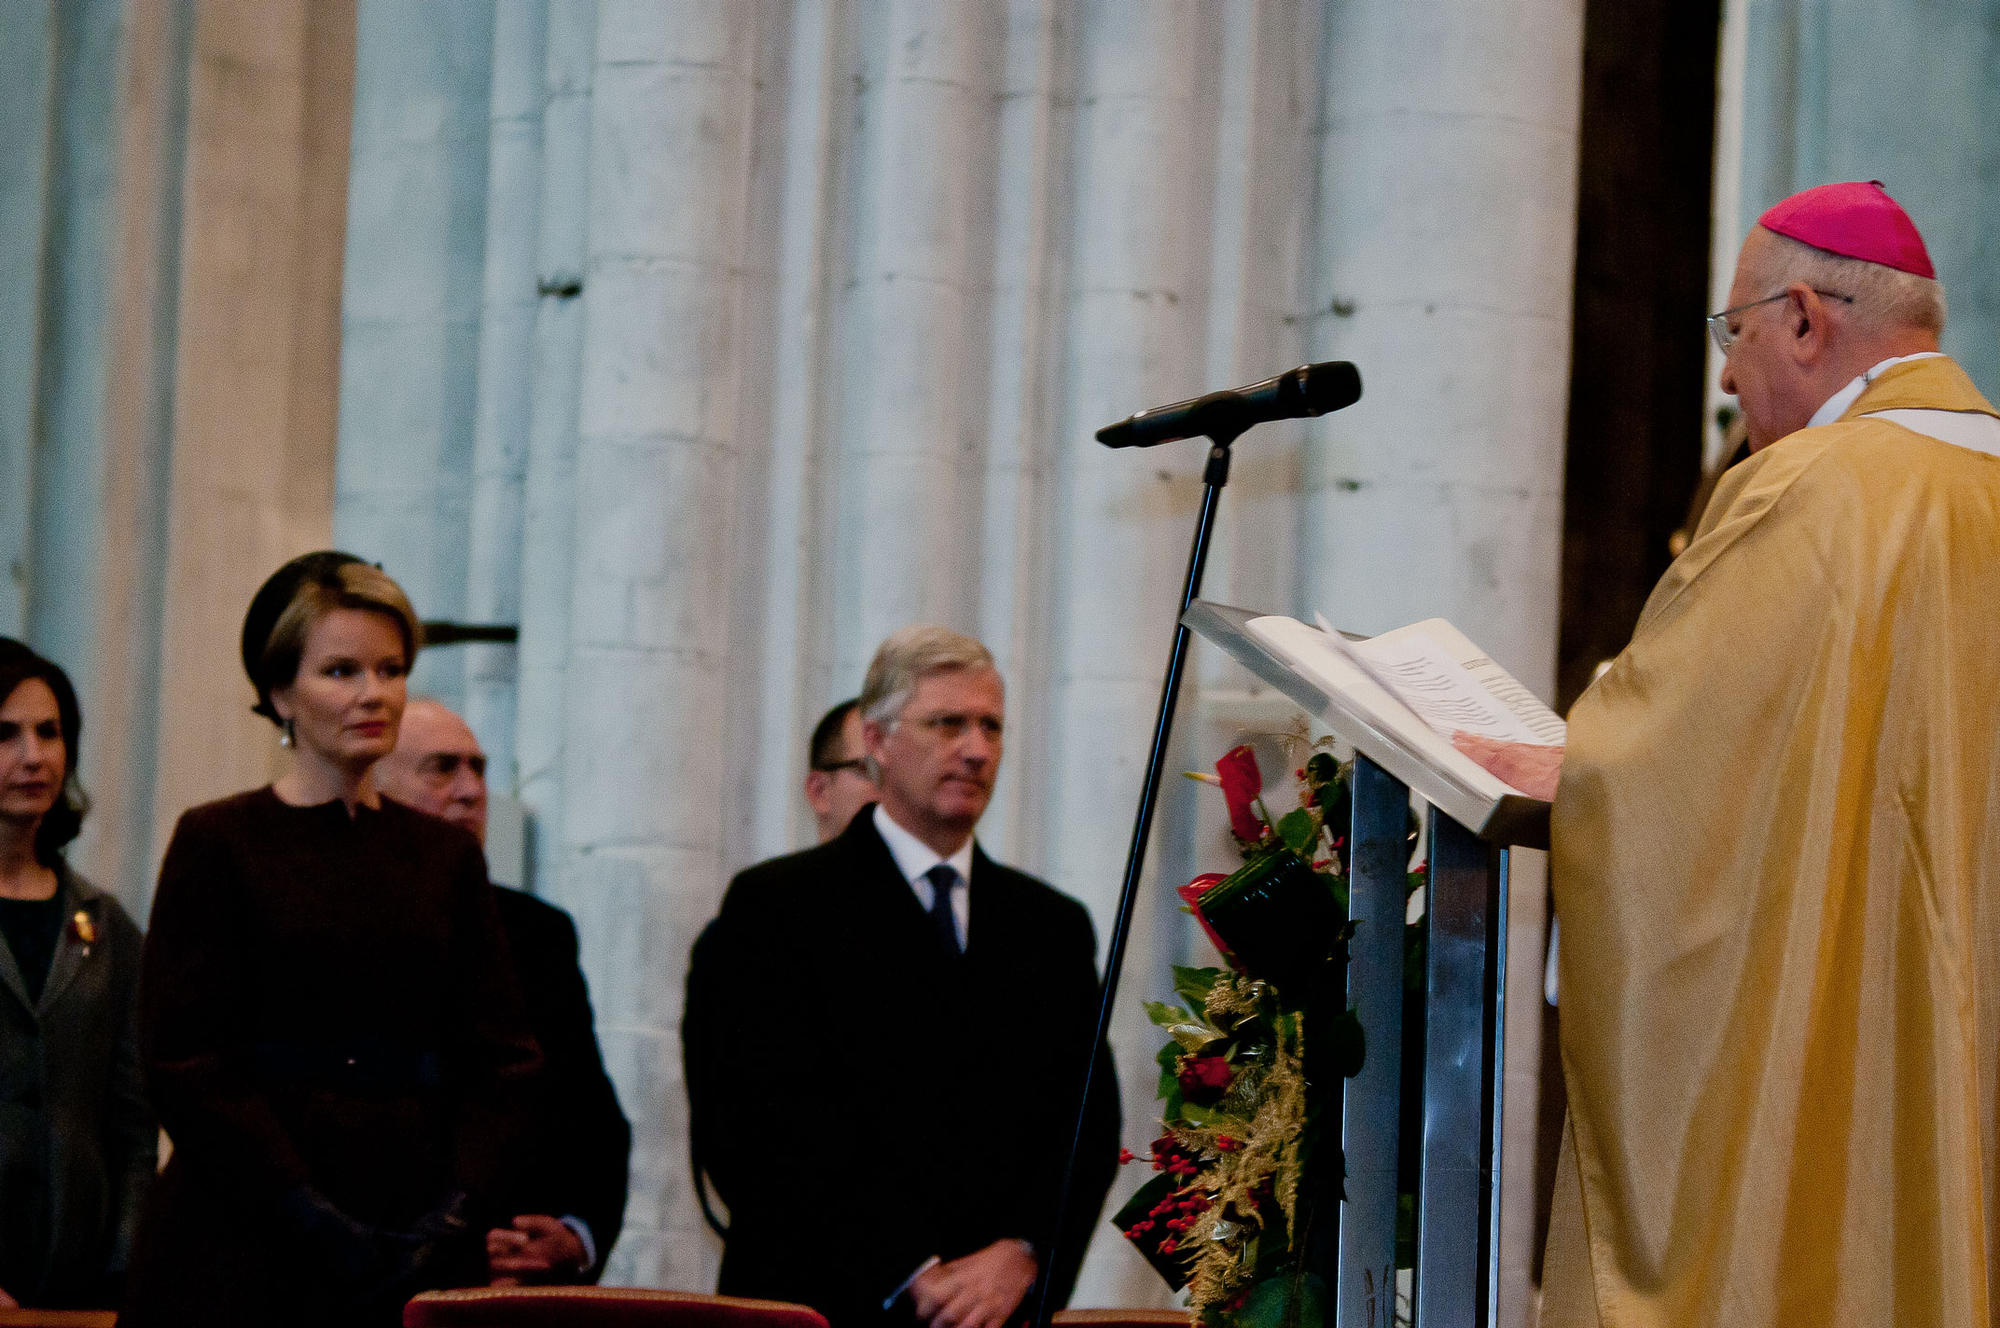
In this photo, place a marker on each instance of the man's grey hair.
(912, 654)
(1885, 299)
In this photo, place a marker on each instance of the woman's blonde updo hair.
(301, 593)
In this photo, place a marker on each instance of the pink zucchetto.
(1855, 219)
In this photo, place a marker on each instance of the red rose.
(1242, 782)
(1203, 1078)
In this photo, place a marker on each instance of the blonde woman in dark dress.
(328, 1020)
(77, 1145)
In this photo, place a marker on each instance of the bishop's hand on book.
(1534, 768)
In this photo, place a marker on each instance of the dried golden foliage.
(1235, 1168)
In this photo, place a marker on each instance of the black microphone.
(1310, 389)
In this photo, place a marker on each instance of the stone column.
(649, 663)
(1135, 281)
(122, 677)
(27, 73)
(1441, 491)
(257, 364)
(790, 458)
(66, 465)
(1023, 323)
(503, 406)
(548, 483)
(913, 360)
(412, 301)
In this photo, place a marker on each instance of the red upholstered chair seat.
(1121, 1319)
(599, 1307)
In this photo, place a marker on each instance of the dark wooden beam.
(1642, 265)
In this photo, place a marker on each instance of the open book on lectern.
(1397, 698)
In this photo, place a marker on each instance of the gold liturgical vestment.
(1776, 858)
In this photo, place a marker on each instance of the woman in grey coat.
(77, 1143)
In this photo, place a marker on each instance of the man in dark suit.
(838, 783)
(579, 1170)
(885, 1037)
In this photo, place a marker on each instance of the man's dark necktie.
(942, 878)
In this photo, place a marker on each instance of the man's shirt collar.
(913, 856)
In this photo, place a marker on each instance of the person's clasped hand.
(980, 1290)
(536, 1247)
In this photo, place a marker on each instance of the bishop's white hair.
(1885, 299)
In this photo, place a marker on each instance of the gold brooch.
(85, 931)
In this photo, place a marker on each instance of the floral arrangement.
(1227, 1217)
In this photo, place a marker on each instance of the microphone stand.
(1213, 477)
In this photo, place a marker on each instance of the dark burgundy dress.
(336, 1048)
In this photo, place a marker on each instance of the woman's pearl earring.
(290, 737)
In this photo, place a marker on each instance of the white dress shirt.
(914, 858)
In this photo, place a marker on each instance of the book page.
(1324, 659)
(1454, 686)
(1548, 727)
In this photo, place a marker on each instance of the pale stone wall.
(857, 282)
(1848, 90)
(414, 302)
(167, 382)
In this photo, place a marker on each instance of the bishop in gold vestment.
(1776, 851)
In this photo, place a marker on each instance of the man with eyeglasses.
(886, 1035)
(838, 784)
(578, 1167)
(1775, 845)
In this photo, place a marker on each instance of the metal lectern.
(1464, 983)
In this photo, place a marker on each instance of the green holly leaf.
(1300, 831)
(1195, 1114)
(1166, 1016)
(1193, 984)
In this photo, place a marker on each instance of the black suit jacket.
(78, 1144)
(863, 1098)
(580, 1163)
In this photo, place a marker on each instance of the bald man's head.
(438, 767)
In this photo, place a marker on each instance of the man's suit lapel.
(872, 868)
(881, 886)
(992, 919)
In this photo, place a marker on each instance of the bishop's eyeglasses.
(1725, 336)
